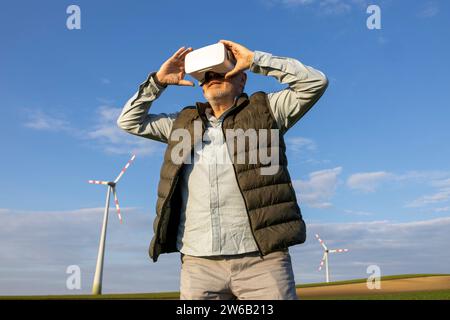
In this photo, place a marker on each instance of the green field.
(430, 295)
(114, 296)
(385, 278)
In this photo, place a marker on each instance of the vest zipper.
(172, 188)
(245, 202)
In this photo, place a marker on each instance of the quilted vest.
(274, 215)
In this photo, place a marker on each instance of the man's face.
(215, 86)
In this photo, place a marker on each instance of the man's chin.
(216, 95)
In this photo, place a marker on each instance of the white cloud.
(441, 183)
(438, 180)
(303, 150)
(318, 190)
(105, 81)
(358, 212)
(329, 7)
(423, 176)
(37, 246)
(40, 120)
(367, 181)
(104, 133)
(300, 144)
(335, 6)
(297, 2)
(442, 195)
(113, 140)
(429, 10)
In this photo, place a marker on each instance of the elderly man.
(231, 224)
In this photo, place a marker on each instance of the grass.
(431, 295)
(114, 296)
(384, 278)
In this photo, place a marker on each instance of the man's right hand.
(172, 71)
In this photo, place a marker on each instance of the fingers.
(176, 54)
(232, 73)
(184, 53)
(181, 53)
(186, 83)
(228, 43)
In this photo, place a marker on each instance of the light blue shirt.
(214, 220)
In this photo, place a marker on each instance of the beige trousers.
(245, 277)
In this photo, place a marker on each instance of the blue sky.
(373, 151)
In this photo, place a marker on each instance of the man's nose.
(210, 75)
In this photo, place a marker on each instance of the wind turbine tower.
(97, 285)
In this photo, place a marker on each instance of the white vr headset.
(215, 58)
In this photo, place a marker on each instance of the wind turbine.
(325, 256)
(97, 285)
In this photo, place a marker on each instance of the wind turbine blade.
(321, 242)
(322, 262)
(124, 169)
(98, 182)
(116, 201)
(338, 250)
